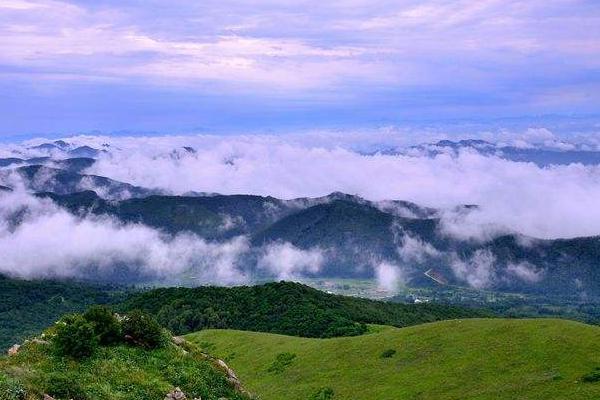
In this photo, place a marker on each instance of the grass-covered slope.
(491, 359)
(113, 373)
(284, 307)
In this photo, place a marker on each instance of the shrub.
(106, 325)
(389, 353)
(64, 386)
(325, 393)
(282, 361)
(141, 329)
(11, 389)
(592, 377)
(75, 337)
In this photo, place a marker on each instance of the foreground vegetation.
(27, 307)
(283, 307)
(97, 356)
(462, 359)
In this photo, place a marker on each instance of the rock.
(178, 340)
(14, 349)
(48, 397)
(39, 341)
(175, 394)
(231, 376)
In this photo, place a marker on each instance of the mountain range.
(542, 155)
(354, 237)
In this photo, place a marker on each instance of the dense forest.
(26, 307)
(284, 307)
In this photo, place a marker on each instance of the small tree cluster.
(106, 325)
(79, 335)
(389, 353)
(592, 377)
(325, 393)
(75, 337)
(143, 330)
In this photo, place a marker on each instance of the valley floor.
(458, 359)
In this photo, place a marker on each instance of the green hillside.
(460, 359)
(101, 356)
(282, 307)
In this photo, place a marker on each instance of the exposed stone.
(38, 341)
(231, 376)
(175, 394)
(14, 349)
(48, 397)
(178, 340)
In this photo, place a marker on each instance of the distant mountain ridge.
(543, 156)
(354, 237)
(66, 180)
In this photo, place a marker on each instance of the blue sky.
(218, 65)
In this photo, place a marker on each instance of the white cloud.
(550, 202)
(526, 272)
(413, 249)
(389, 276)
(542, 202)
(298, 46)
(285, 261)
(478, 271)
(50, 242)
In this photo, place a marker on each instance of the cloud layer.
(50, 242)
(549, 202)
(559, 201)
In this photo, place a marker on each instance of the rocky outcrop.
(177, 394)
(231, 376)
(220, 364)
(14, 349)
(178, 340)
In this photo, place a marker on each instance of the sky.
(127, 66)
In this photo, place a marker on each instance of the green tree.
(75, 337)
(106, 325)
(143, 330)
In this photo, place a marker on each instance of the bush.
(325, 393)
(141, 329)
(11, 389)
(106, 326)
(64, 386)
(75, 337)
(282, 361)
(592, 377)
(389, 353)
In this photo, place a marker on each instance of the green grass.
(113, 373)
(460, 359)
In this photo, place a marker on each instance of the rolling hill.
(282, 307)
(461, 359)
(117, 371)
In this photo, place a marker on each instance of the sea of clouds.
(541, 202)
